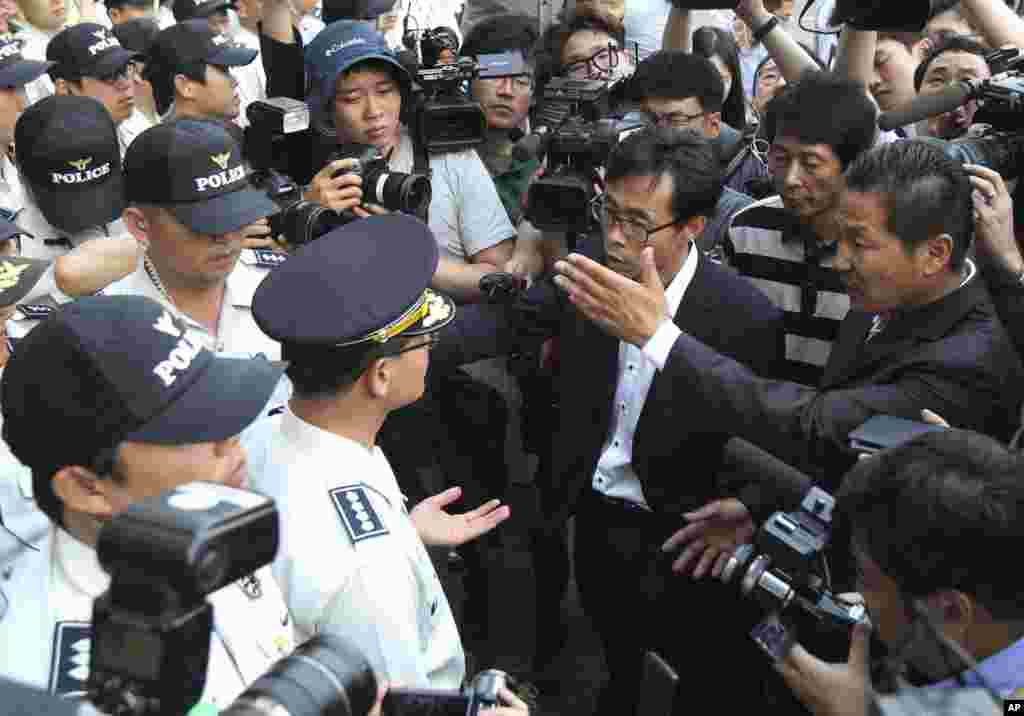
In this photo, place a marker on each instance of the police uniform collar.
(79, 564)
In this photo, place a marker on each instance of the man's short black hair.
(711, 42)
(505, 32)
(950, 43)
(673, 74)
(925, 193)
(161, 77)
(683, 154)
(321, 372)
(823, 108)
(936, 513)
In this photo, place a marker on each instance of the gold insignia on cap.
(81, 164)
(221, 160)
(438, 309)
(10, 274)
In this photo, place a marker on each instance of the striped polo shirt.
(767, 244)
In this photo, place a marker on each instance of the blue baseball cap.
(338, 47)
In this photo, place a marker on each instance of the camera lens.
(409, 193)
(326, 676)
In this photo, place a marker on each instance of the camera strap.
(421, 165)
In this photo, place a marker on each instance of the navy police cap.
(363, 283)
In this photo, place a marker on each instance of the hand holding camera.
(337, 186)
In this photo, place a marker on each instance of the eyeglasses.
(520, 83)
(600, 63)
(676, 120)
(429, 344)
(128, 72)
(633, 230)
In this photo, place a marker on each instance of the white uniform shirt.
(252, 78)
(615, 476)
(34, 48)
(466, 215)
(309, 27)
(350, 559)
(12, 192)
(50, 597)
(130, 128)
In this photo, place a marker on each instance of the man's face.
(146, 470)
(12, 104)
(636, 204)
(218, 96)
(769, 82)
(48, 15)
(121, 15)
(879, 274)
(219, 22)
(505, 100)
(945, 69)
(808, 177)
(116, 93)
(892, 79)
(194, 259)
(590, 55)
(682, 114)
(367, 105)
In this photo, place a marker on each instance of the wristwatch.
(760, 33)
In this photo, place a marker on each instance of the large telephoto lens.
(409, 193)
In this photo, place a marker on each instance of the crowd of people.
(756, 271)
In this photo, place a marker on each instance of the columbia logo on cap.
(222, 178)
(106, 41)
(83, 173)
(339, 46)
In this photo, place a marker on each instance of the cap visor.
(211, 8)
(112, 61)
(77, 210)
(20, 73)
(225, 213)
(232, 56)
(227, 397)
(440, 314)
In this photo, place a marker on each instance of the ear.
(61, 87)
(713, 124)
(183, 87)
(82, 491)
(693, 227)
(955, 610)
(378, 378)
(937, 253)
(137, 225)
(920, 49)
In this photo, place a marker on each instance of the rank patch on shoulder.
(69, 659)
(263, 258)
(357, 514)
(35, 310)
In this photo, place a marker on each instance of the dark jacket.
(675, 455)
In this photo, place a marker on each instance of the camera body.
(574, 151)
(477, 696)
(780, 571)
(151, 629)
(395, 191)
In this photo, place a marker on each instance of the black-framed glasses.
(674, 120)
(600, 63)
(633, 230)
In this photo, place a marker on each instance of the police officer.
(352, 557)
(140, 406)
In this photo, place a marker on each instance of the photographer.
(920, 514)
(352, 558)
(359, 94)
(140, 406)
(953, 59)
(623, 434)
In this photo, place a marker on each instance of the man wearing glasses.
(89, 61)
(629, 460)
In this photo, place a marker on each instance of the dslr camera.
(783, 571)
(574, 150)
(408, 193)
(151, 630)
(478, 695)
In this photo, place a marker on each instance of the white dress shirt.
(615, 476)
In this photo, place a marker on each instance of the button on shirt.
(350, 559)
(615, 476)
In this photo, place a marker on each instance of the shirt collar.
(1003, 670)
(677, 288)
(79, 563)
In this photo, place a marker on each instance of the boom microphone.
(925, 106)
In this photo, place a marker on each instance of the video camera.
(781, 570)
(906, 15)
(271, 121)
(446, 118)
(1000, 106)
(574, 151)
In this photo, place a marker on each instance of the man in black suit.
(923, 334)
(630, 457)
